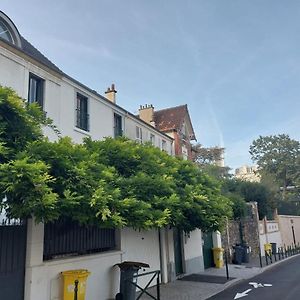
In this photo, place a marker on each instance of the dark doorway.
(177, 235)
(12, 259)
(207, 250)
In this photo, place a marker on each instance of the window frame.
(39, 89)
(152, 139)
(118, 131)
(163, 145)
(81, 122)
(138, 134)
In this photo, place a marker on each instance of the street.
(278, 283)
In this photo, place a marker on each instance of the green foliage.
(278, 155)
(209, 155)
(110, 183)
(251, 192)
(239, 206)
(216, 172)
(25, 187)
(20, 124)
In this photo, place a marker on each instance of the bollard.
(260, 261)
(226, 265)
(285, 252)
(76, 289)
(157, 287)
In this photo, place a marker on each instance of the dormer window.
(8, 30)
(4, 33)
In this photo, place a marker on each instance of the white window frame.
(152, 139)
(138, 134)
(164, 145)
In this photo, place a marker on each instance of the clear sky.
(236, 63)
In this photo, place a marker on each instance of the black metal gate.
(12, 259)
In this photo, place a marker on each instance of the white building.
(248, 173)
(79, 111)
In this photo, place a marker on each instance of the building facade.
(78, 111)
(176, 123)
(248, 173)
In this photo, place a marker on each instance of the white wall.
(269, 232)
(130, 132)
(141, 246)
(193, 256)
(12, 72)
(44, 282)
(285, 223)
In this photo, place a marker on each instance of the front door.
(177, 235)
(12, 260)
(207, 250)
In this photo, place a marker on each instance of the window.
(8, 31)
(163, 145)
(139, 134)
(5, 33)
(118, 125)
(152, 139)
(82, 117)
(36, 89)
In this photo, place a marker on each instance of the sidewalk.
(192, 290)
(195, 290)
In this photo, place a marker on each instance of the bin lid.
(77, 273)
(131, 264)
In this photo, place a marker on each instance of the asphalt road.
(284, 278)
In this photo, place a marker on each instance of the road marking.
(243, 294)
(258, 285)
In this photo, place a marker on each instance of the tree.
(252, 192)
(109, 183)
(278, 155)
(209, 155)
(210, 160)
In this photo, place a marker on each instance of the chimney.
(110, 94)
(146, 113)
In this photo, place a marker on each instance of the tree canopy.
(279, 156)
(110, 183)
(238, 190)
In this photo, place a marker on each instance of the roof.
(172, 118)
(36, 54)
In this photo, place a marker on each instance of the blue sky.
(236, 63)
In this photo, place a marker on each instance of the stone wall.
(245, 230)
